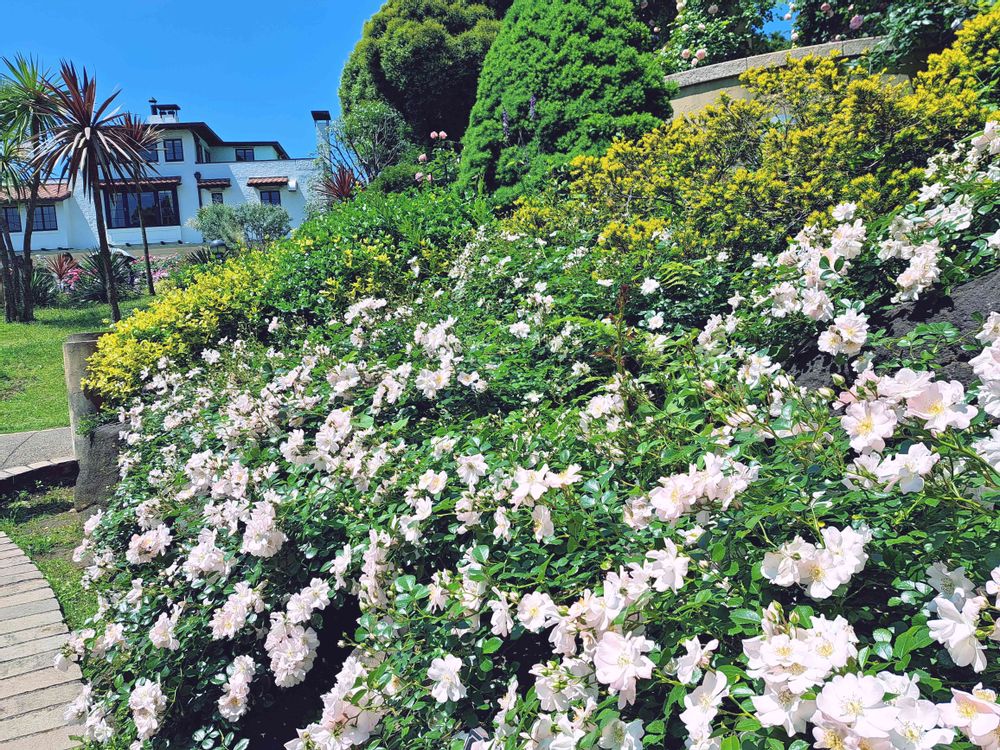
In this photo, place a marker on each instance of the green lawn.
(32, 389)
(47, 529)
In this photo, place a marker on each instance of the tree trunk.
(7, 271)
(145, 242)
(102, 238)
(27, 270)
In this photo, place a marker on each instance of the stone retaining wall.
(701, 86)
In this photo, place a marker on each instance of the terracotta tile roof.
(266, 181)
(150, 182)
(53, 191)
(215, 182)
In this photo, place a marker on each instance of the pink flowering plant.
(515, 504)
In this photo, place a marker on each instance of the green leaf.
(491, 645)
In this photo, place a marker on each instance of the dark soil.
(963, 308)
(273, 721)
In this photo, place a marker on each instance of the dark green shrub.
(93, 283)
(423, 57)
(912, 28)
(251, 224)
(374, 245)
(397, 178)
(562, 79)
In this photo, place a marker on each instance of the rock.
(964, 308)
(97, 455)
(97, 450)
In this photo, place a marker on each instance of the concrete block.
(13, 562)
(40, 631)
(97, 456)
(23, 586)
(25, 597)
(31, 723)
(31, 608)
(54, 739)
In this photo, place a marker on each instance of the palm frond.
(87, 139)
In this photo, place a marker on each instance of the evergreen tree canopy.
(561, 79)
(423, 57)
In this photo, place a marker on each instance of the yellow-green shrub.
(741, 175)
(179, 322)
(968, 70)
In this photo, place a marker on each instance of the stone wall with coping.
(701, 86)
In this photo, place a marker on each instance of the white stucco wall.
(78, 222)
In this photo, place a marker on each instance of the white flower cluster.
(351, 710)
(147, 703)
(820, 570)
(849, 709)
(715, 486)
(236, 690)
(958, 609)
(292, 649)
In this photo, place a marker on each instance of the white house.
(194, 167)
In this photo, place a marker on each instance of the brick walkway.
(33, 695)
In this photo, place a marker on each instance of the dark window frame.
(173, 149)
(240, 153)
(217, 199)
(152, 154)
(273, 196)
(43, 213)
(14, 227)
(124, 214)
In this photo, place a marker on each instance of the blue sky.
(248, 68)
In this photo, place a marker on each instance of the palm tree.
(88, 141)
(12, 181)
(25, 90)
(145, 137)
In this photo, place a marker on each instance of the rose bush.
(507, 487)
(567, 521)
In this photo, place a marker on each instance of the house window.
(151, 154)
(45, 218)
(244, 154)
(271, 196)
(173, 149)
(12, 218)
(217, 199)
(159, 208)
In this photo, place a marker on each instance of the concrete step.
(31, 608)
(26, 664)
(44, 719)
(25, 597)
(32, 634)
(36, 700)
(54, 739)
(40, 678)
(28, 573)
(18, 588)
(27, 622)
(30, 648)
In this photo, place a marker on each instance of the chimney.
(321, 119)
(152, 105)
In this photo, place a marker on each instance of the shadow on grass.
(20, 507)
